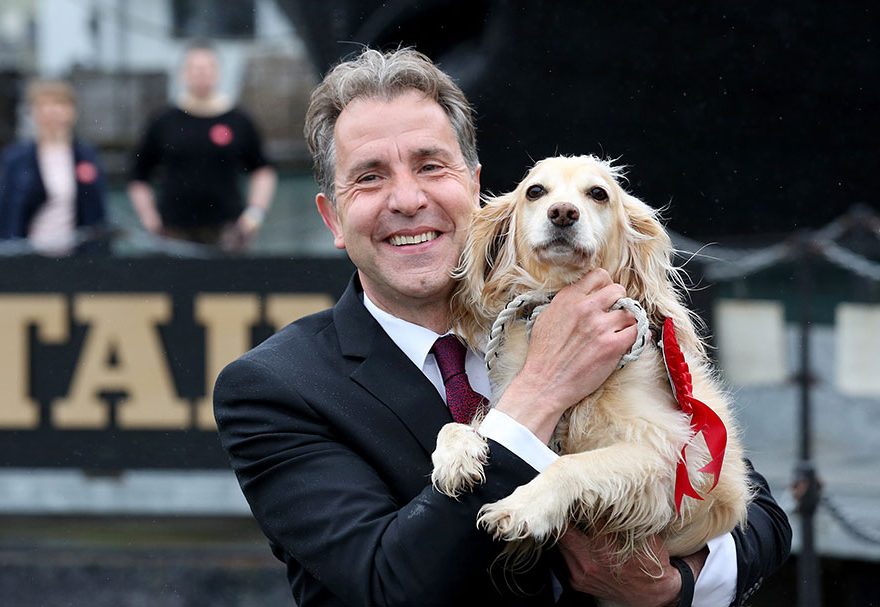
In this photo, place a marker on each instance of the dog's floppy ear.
(647, 250)
(489, 250)
(648, 274)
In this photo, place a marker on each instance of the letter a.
(125, 328)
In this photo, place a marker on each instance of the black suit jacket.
(329, 428)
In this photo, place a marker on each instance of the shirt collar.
(414, 340)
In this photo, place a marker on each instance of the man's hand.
(576, 343)
(144, 202)
(637, 583)
(237, 236)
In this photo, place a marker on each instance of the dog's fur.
(621, 444)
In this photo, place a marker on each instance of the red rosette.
(221, 135)
(86, 172)
(703, 419)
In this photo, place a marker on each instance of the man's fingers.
(592, 281)
(627, 338)
(621, 320)
(608, 295)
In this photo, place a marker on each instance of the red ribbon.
(703, 418)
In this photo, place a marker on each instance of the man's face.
(404, 198)
(201, 72)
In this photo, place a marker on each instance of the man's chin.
(424, 285)
(409, 282)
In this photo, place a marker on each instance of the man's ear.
(477, 182)
(331, 219)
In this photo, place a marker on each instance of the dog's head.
(569, 215)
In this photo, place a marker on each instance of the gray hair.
(377, 75)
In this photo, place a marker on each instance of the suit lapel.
(386, 372)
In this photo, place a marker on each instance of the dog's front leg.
(458, 459)
(624, 488)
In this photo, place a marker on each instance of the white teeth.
(416, 239)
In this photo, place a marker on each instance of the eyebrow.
(367, 165)
(371, 164)
(433, 151)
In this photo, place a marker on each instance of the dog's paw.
(458, 459)
(525, 513)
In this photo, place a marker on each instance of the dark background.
(748, 117)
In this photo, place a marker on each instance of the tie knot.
(450, 354)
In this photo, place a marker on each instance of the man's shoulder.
(163, 115)
(238, 113)
(302, 348)
(297, 341)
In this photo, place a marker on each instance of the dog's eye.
(598, 194)
(535, 191)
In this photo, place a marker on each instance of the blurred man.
(52, 188)
(202, 145)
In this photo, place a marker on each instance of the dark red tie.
(462, 400)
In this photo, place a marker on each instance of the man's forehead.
(408, 125)
(201, 55)
(385, 151)
(368, 110)
(51, 98)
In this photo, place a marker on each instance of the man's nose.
(407, 195)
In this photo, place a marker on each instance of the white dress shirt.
(716, 585)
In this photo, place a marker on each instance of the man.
(203, 144)
(330, 423)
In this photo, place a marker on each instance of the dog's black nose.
(563, 214)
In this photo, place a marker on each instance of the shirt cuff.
(716, 584)
(518, 439)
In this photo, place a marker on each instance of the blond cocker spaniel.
(621, 446)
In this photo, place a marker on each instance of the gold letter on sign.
(17, 313)
(123, 328)
(228, 320)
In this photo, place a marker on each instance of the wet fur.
(621, 444)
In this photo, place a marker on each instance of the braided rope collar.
(531, 303)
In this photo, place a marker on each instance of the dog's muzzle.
(563, 214)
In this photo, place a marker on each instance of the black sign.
(109, 363)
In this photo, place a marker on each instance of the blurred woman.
(52, 188)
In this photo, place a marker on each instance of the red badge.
(86, 172)
(703, 418)
(220, 134)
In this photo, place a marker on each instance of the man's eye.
(367, 178)
(430, 167)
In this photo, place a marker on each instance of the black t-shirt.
(201, 160)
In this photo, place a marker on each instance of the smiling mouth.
(400, 240)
